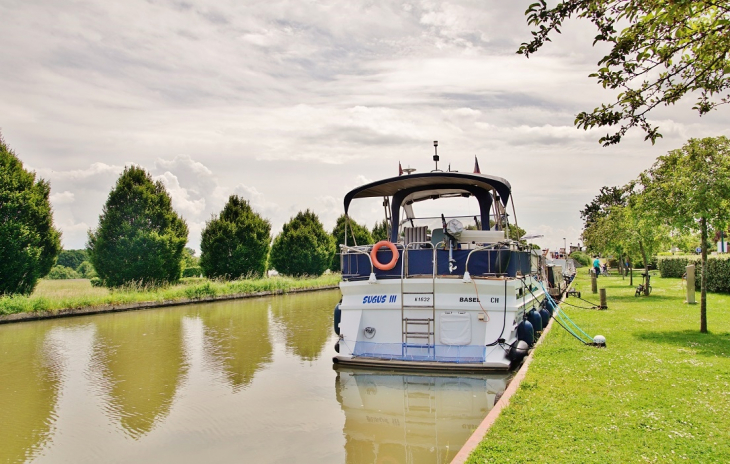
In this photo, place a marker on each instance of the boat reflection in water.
(412, 418)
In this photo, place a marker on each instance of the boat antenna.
(436, 154)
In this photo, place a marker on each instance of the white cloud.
(181, 197)
(291, 104)
(362, 180)
(63, 198)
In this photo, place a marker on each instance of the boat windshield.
(464, 209)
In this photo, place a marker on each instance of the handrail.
(467, 276)
(358, 250)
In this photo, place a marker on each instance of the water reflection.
(141, 358)
(220, 382)
(407, 418)
(237, 340)
(29, 385)
(306, 323)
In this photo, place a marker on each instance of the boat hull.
(438, 323)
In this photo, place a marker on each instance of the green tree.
(633, 230)
(516, 233)
(29, 242)
(599, 206)
(685, 242)
(189, 259)
(86, 270)
(660, 52)
(236, 243)
(645, 232)
(140, 238)
(690, 188)
(72, 258)
(380, 231)
(356, 235)
(303, 247)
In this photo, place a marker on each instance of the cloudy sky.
(293, 103)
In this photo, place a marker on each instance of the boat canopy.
(430, 181)
(405, 190)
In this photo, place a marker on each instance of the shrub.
(140, 238)
(236, 243)
(29, 243)
(653, 263)
(96, 282)
(62, 272)
(303, 247)
(675, 266)
(361, 234)
(192, 271)
(718, 270)
(581, 257)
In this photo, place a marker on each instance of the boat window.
(367, 212)
(428, 213)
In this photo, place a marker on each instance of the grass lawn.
(659, 392)
(52, 295)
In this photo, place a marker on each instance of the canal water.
(236, 381)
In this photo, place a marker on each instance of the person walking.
(597, 266)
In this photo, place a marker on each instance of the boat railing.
(424, 259)
(363, 250)
(488, 248)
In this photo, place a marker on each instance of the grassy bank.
(52, 295)
(659, 392)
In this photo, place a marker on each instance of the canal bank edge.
(471, 444)
(70, 312)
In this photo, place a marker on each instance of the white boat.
(439, 294)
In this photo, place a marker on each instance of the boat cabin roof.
(432, 184)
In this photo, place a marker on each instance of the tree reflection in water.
(29, 384)
(237, 340)
(142, 359)
(304, 322)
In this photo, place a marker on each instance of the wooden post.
(594, 282)
(691, 284)
(603, 299)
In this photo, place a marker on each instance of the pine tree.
(29, 242)
(380, 231)
(303, 247)
(140, 238)
(236, 243)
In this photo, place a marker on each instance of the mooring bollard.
(594, 282)
(691, 284)
(603, 299)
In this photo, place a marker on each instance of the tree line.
(679, 202)
(140, 239)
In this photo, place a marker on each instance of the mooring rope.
(561, 315)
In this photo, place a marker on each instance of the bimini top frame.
(428, 184)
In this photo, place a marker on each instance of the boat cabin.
(438, 245)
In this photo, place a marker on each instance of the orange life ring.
(374, 255)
